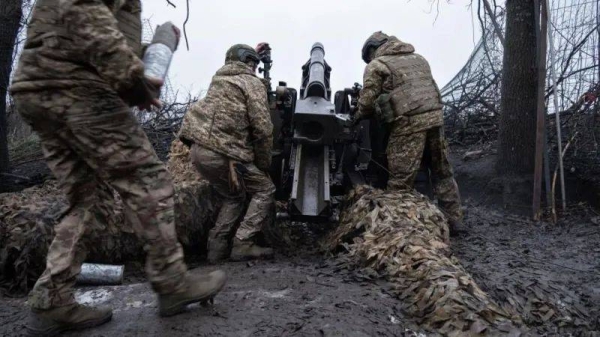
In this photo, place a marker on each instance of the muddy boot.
(248, 250)
(72, 317)
(198, 288)
(456, 228)
(218, 250)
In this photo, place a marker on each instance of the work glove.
(263, 162)
(153, 86)
(262, 47)
(143, 94)
(355, 120)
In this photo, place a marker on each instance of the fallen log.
(405, 237)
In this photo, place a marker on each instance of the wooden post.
(541, 17)
(547, 176)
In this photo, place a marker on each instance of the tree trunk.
(11, 13)
(516, 139)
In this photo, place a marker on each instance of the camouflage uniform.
(77, 76)
(416, 131)
(232, 123)
(215, 168)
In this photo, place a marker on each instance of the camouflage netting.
(27, 219)
(405, 237)
(180, 166)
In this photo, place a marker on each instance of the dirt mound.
(405, 237)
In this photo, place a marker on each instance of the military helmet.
(115, 5)
(374, 41)
(242, 53)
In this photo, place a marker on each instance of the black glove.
(263, 164)
(354, 121)
(142, 93)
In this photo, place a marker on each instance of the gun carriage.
(318, 155)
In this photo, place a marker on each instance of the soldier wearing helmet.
(399, 90)
(230, 134)
(78, 75)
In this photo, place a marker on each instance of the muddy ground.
(306, 294)
(290, 296)
(504, 250)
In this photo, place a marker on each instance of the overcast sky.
(291, 27)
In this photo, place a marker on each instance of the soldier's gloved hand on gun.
(355, 119)
(263, 164)
(261, 47)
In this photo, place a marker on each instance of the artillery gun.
(318, 155)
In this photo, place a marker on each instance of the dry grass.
(25, 150)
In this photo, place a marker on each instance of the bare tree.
(518, 94)
(11, 13)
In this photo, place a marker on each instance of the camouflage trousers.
(88, 135)
(215, 168)
(405, 153)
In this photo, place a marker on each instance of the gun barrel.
(316, 84)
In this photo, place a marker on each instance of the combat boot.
(72, 317)
(218, 250)
(198, 288)
(248, 250)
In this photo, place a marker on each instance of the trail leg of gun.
(310, 191)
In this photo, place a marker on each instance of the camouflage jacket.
(233, 118)
(406, 76)
(80, 43)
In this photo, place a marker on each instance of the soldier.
(230, 134)
(76, 80)
(400, 91)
